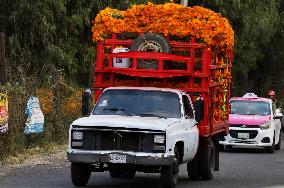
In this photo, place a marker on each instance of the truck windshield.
(250, 108)
(145, 103)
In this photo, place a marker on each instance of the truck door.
(191, 129)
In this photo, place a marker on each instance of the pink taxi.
(253, 122)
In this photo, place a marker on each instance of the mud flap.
(217, 150)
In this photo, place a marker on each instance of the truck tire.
(207, 160)
(150, 42)
(270, 149)
(169, 174)
(278, 145)
(192, 169)
(80, 174)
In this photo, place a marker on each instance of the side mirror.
(278, 114)
(199, 109)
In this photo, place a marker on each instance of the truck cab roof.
(147, 88)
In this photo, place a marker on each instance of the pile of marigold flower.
(169, 19)
(221, 106)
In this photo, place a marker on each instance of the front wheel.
(80, 174)
(169, 174)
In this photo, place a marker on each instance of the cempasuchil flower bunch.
(168, 19)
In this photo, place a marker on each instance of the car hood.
(131, 122)
(248, 119)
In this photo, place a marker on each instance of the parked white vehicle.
(134, 129)
(253, 122)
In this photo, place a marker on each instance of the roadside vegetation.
(49, 53)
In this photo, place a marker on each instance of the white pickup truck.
(134, 129)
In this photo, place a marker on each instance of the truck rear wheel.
(207, 160)
(169, 174)
(150, 42)
(80, 174)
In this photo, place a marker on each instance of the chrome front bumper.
(136, 158)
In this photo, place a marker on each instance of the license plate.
(243, 135)
(116, 158)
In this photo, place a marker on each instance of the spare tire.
(150, 42)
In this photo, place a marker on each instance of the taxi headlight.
(77, 135)
(264, 126)
(159, 139)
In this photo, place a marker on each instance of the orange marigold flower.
(168, 19)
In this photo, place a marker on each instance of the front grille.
(118, 140)
(252, 133)
(244, 126)
(243, 142)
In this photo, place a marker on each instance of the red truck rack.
(200, 74)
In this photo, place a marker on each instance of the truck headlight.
(77, 135)
(264, 126)
(159, 139)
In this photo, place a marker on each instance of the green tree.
(255, 24)
(50, 34)
(56, 34)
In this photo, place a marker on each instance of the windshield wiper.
(114, 109)
(150, 115)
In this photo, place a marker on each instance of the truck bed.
(191, 68)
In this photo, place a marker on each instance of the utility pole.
(184, 3)
(2, 58)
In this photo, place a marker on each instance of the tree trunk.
(2, 58)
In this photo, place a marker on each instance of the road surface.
(238, 168)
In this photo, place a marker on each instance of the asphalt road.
(241, 167)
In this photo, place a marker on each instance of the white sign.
(35, 119)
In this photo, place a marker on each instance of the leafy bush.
(61, 104)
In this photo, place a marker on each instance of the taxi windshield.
(250, 107)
